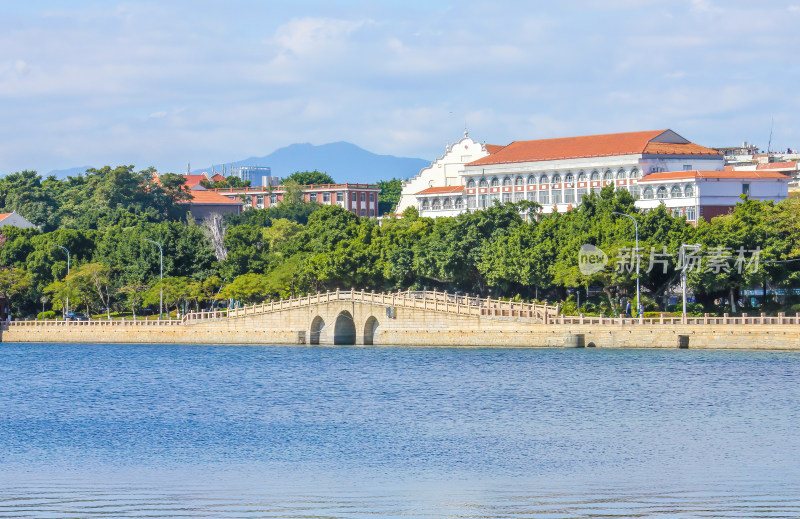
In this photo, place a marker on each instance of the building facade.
(360, 199)
(259, 176)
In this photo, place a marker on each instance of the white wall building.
(444, 171)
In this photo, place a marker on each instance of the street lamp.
(160, 278)
(685, 246)
(636, 229)
(67, 251)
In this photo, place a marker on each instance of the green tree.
(306, 178)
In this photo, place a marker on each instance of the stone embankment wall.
(320, 323)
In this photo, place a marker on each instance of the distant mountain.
(71, 172)
(343, 161)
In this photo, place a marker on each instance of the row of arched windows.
(554, 178)
(661, 192)
(437, 204)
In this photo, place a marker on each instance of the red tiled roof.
(218, 178)
(590, 146)
(193, 180)
(733, 175)
(493, 148)
(791, 165)
(211, 198)
(445, 190)
(4, 215)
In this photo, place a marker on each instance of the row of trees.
(299, 247)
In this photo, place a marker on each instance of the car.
(73, 316)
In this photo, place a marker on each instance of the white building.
(15, 220)
(445, 171)
(707, 194)
(557, 173)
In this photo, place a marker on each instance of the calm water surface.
(203, 431)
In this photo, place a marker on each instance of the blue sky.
(165, 83)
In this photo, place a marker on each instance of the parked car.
(74, 316)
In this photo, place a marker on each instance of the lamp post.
(685, 246)
(636, 230)
(67, 251)
(160, 277)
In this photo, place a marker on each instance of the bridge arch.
(317, 325)
(370, 327)
(344, 331)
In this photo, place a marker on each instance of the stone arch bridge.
(366, 318)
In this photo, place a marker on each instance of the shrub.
(46, 315)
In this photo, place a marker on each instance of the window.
(688, 191)
(568, 178)
(746, 189)
(634, 173)
(656, 169)
(326, 197)
(543, 180)
(260, 200)
(621, 174)
(425, 204)
(470, 184)
(676, 192)
(471, 202)
(595, 175)
(494, 197)
(447, 203)
(483, 202)
(635, 191)
(459, 203)
(519, 196)
(661, 193)
(687, 167)
(312, 197)
(581, 177)
(483, 183)
(531, 196)
(363, 212)
(519, 181)
(273, 199)
(506, 197)
(340, 197)
(507, 181)
(363, 197)
(690, 214)
(436, 204)
(495, 182)
(531, 180)
(355, 197)
(544, 197)
(372, 197)
(676, 212)
(581, 194)
(372, 212)
(556, 179)
(569, 196)
(648, 193)
(557, 196)
(608, 175)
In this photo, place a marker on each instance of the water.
(204, 431)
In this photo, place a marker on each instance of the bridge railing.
(430, 300)
(94, 322)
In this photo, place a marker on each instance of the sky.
(163, 84)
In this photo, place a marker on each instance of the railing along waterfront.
(94, 322)
(429, 300)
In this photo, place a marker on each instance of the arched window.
(634, 173)
(543, 179)
(582, 176)
(519, 181)
(688, 191)
(446, 204)
(556, 179)
(676, 192)
(459, 203)
(425, 203)
(531, 180)
(661, 193)
(595, 175)
(608, 175)
(483, 183)
(621, 174)
(495, 182)
(470, 184)
(569, 178)
(648, 193)
(507, 181)
(436, 204)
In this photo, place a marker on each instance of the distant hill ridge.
(343, 161)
